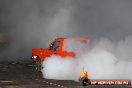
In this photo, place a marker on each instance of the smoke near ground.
(103, 59)
(27, 24)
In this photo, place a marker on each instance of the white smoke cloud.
(56, 67)
(104, 59)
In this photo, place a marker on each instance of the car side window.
(55, 45)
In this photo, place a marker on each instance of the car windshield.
(55, 45)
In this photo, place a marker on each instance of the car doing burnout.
(57, 47)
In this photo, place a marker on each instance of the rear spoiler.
(87, 40)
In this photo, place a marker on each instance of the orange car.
(57, 47)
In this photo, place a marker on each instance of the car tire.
(38, 64)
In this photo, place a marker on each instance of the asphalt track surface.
(23, 75)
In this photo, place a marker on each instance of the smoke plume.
(103, 59)
(27, 24)
(34, 23)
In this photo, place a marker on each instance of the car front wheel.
(38, 64)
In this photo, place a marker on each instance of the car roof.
(81, 39)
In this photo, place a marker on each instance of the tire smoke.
(103, 59)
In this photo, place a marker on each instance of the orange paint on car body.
(55, 48)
